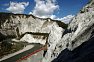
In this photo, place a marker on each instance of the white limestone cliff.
(29, 23)
(79, 30)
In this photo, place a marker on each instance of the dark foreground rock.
(83, 53)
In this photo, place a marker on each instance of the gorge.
(71, 42)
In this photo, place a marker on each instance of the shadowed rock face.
(83, 53)
(6, 34)
(2, 37)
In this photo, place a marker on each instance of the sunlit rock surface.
(21, 24)
(77, 41)
(65, 44)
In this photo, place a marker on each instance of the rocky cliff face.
(77, 41)
(27, 23)
(80, 28)
(64, 45)
(15, 25)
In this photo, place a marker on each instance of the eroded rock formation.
(65, 44)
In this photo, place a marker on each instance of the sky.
(55, 9)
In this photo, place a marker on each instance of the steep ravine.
(65, 44)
